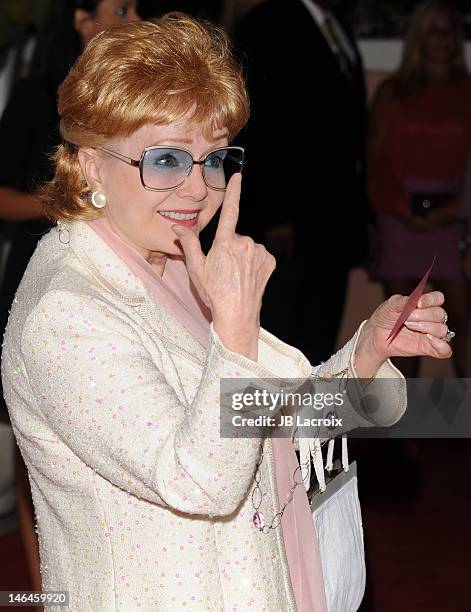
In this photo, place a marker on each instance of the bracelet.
(365, 383)
(465, 243)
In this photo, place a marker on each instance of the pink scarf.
(175, 291)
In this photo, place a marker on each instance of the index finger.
(230, 209)
(433, 298)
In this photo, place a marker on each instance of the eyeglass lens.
(165, 168)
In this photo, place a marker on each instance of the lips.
(185, 217)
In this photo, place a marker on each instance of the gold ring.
(445, 318)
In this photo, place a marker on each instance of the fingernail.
(414, 323)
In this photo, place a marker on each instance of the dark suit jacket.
(28, 133)
(306, 136)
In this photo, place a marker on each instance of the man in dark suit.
(304, 193)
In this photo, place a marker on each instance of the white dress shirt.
(319, 15)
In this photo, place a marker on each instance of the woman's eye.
(121, 11)
(166, 161)
(215, 161)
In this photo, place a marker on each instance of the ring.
(445, 318)
(449, 336)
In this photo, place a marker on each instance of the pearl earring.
(98, 199)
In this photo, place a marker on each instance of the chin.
(174, 248)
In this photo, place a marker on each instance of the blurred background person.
(20, 21)
(29, 133)
(419, 144)
(212, 10)
(465, 214)
(304, 68)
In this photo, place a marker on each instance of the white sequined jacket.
(139, 504)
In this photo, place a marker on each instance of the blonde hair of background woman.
(411, 72)
(169, 70)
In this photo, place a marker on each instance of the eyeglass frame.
(138, 163)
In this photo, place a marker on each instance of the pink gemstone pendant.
(258, 520)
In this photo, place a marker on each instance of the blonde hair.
(163, 71)
(411, 72)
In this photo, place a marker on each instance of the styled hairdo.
(159, 72)
(411, 72)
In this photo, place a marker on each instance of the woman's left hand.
(421, 335)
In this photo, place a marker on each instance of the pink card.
(410, 305)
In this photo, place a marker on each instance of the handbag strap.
(318, 464)
(311, 447)
(329, 464)
(305, 445)
(345, 463)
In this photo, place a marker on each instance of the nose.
(194, 187)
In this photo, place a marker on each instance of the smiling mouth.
(182, 217)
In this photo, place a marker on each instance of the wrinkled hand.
(232, 277)
(421, 334)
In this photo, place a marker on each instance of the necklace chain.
(257, 495)
(258, 518)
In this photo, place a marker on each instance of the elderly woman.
(122, 329)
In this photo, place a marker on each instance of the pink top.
(174, 290)
(424, 138)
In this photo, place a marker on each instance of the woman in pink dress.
(420, 141)
(122, 330)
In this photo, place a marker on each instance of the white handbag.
(337, 519)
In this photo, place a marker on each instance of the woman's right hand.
(232, 277)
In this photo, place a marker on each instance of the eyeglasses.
(163, 168)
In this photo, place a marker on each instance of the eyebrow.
(165, 141)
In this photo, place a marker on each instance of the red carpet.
(14, 575)
(418, 549)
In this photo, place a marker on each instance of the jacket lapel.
(112, 273)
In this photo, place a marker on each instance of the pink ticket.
(410, 305)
